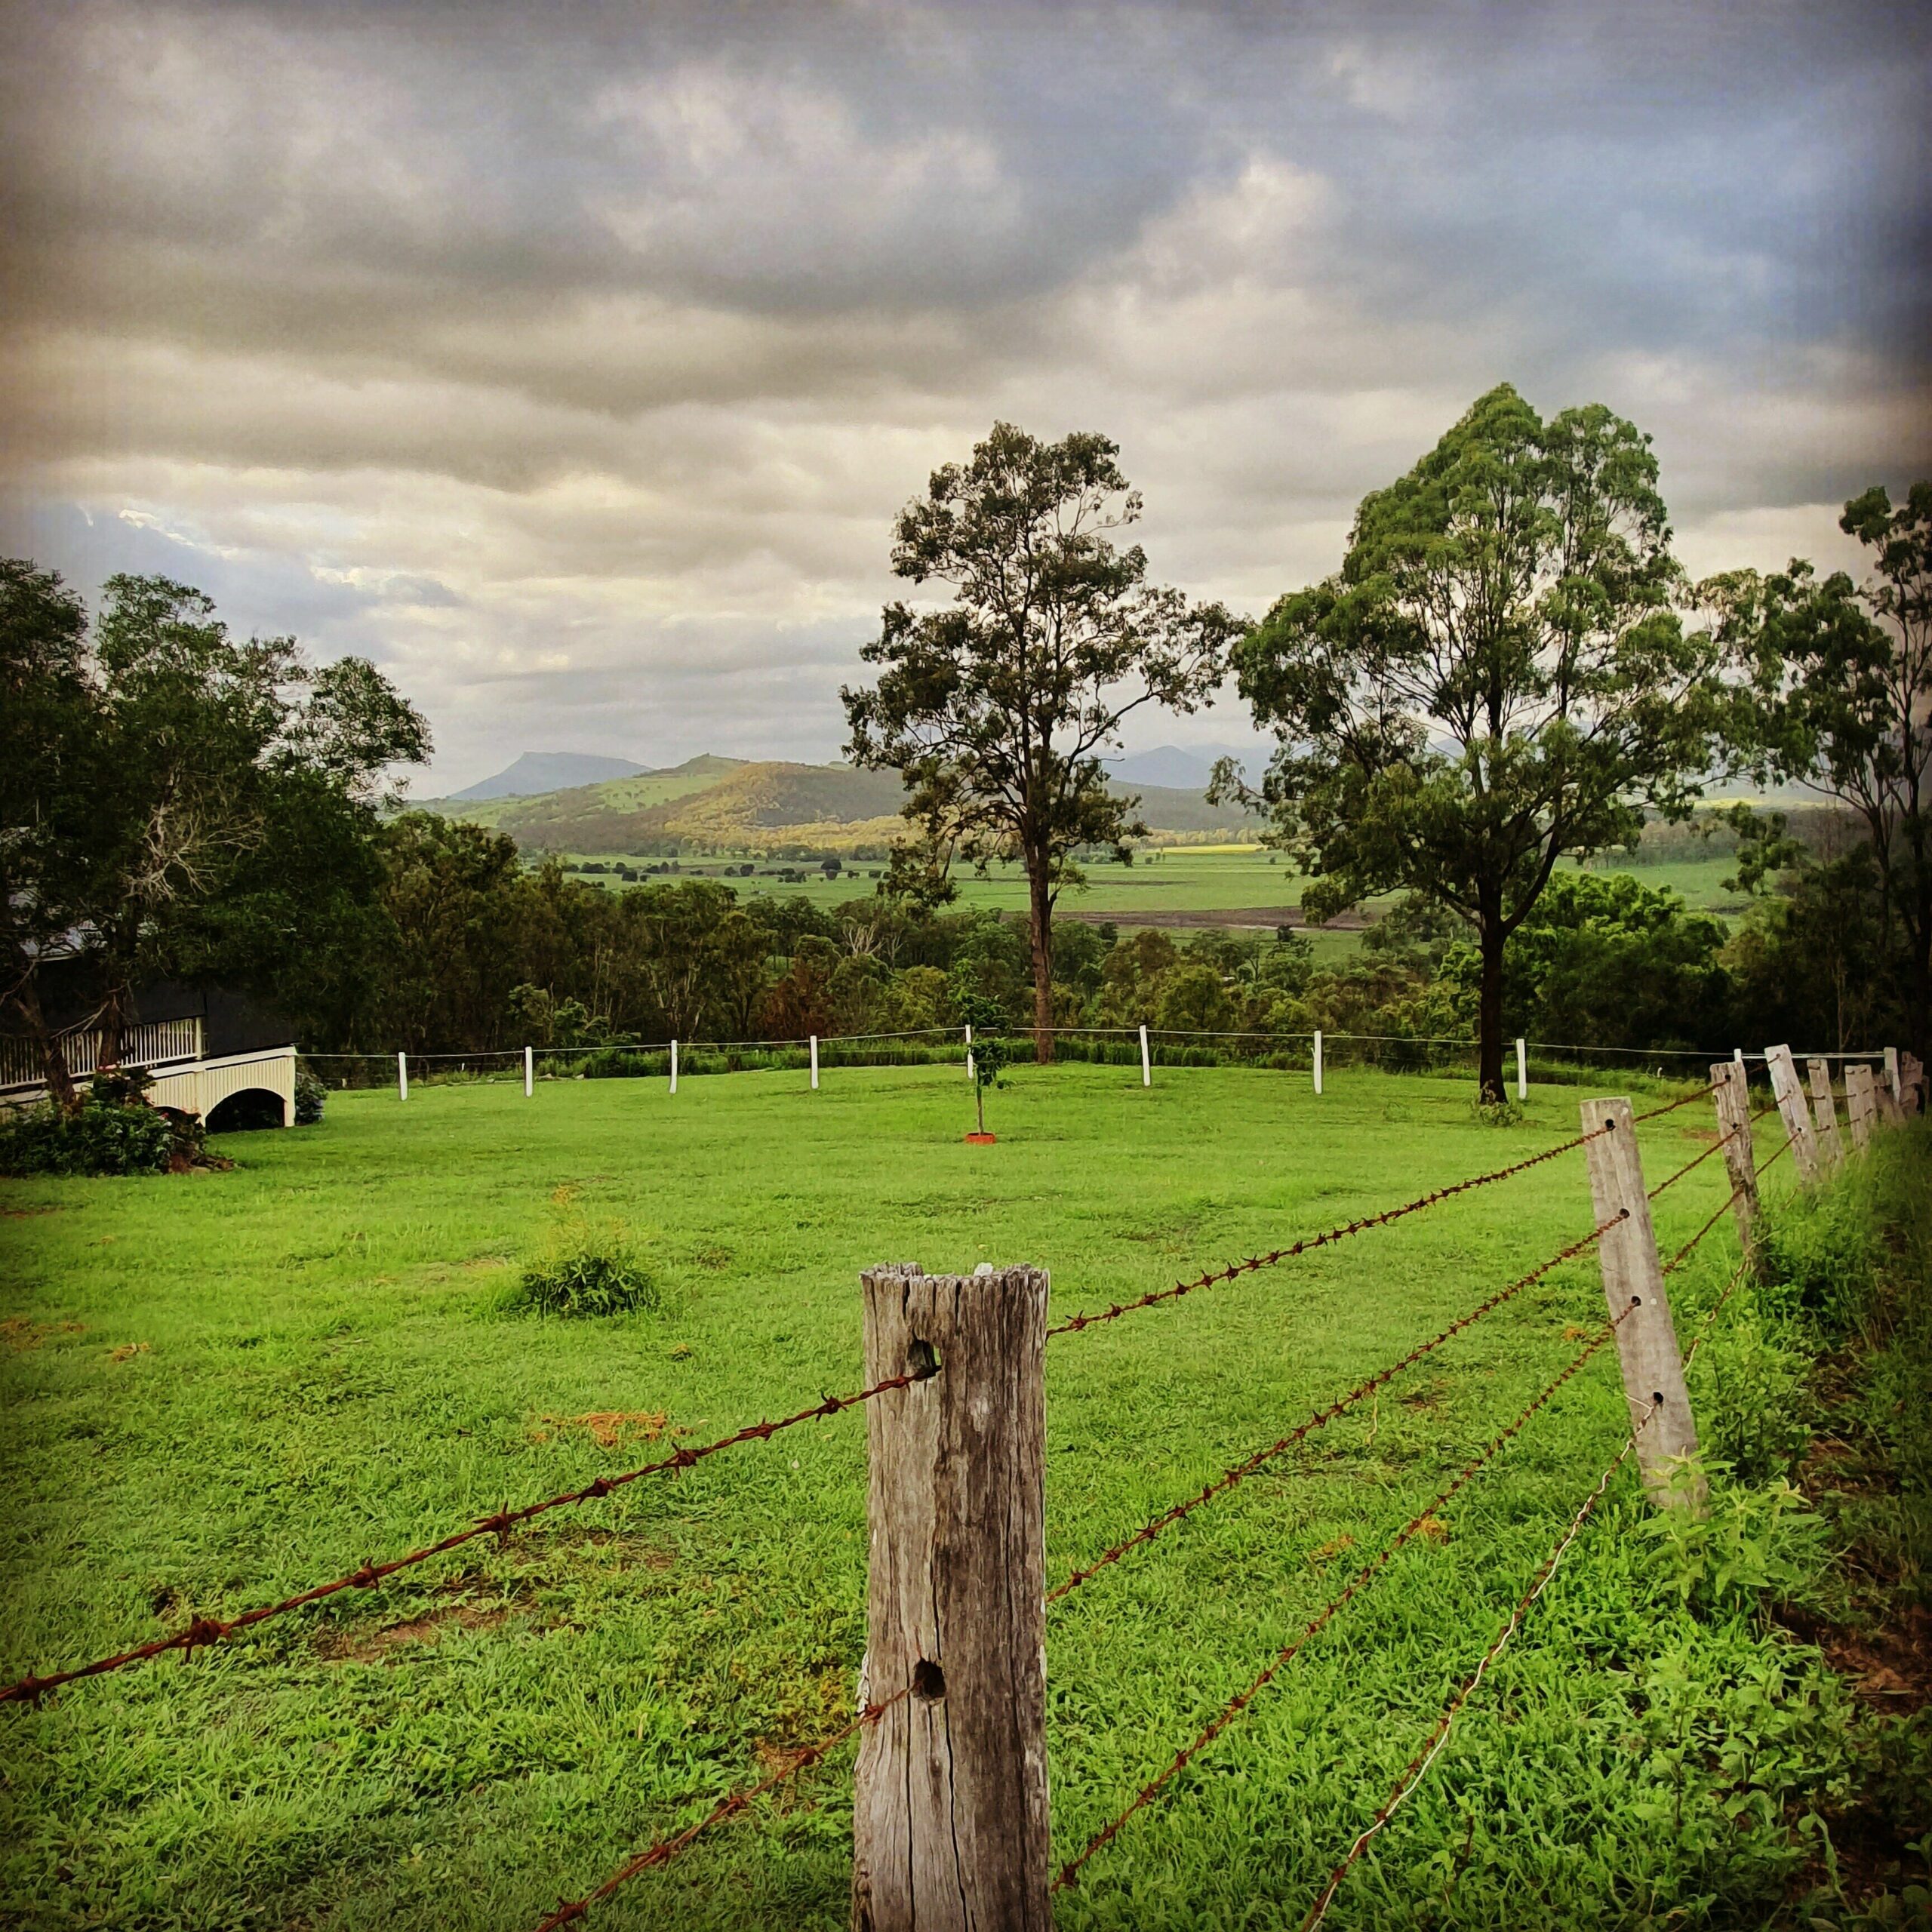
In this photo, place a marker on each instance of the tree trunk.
(58, 1074)
(1489, 1017)
(1041, 896)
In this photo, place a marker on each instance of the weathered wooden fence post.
(1892, 1075)
(674, 1066)
(1146, 1064)
(529, 1072)
(1318, 1060)
(949, 1818)
(1732, 1098)
(1633, 1288)
(1522, 1069)
(1912, 1074)
(1827, 1111)
(814, 1063)
(1860, 1108)
(1792, 1109)
(402, 1076)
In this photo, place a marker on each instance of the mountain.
(538, 772)
(1183, 769)
(726, 806)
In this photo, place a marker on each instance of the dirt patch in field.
(20, 1332)
(609, 1428)
(1889, 1669)
(376, 1646)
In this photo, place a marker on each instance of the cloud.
(573, 361)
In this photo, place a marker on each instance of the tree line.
(1508, 673)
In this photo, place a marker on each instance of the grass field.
(223, 1387)
(1177, 879)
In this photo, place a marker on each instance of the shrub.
(310, 1097)
(106, 1136)
(584, 1270)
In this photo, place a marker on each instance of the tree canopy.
(997, 706)
(1495, 678)
(1835, 694)
(193, 806)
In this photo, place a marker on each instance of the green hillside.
(720, 805)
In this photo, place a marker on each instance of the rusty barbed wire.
(1356, 1585)
(1417, 1767)
(1671, 1106)
(568, 1911)
(204, 1631)
(1322, 1417)
(1413, 1772)
(1696, 1160)
(1074, 1324)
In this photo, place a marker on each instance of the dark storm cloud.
(583, 352)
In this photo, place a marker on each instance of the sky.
(572, 361)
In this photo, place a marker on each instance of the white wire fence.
(1316, 1056)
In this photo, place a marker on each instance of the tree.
(991, 1055)
(201, 807)
(996, 707)
(1495, 677)
(1837, 695)
(49, 792)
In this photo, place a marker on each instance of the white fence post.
(529, 1072)
(1318, 1061)
(674, 1066)
(402, 1076)
(814, 1063)
(1522, 1069)
(969, 1053)
(1146, 1065)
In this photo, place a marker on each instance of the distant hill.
(538, 772)
(724, 805)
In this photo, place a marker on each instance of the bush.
(310, 1097)
(106, 1136)
(583, 1270)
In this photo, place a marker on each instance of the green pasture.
(1163, 880)
(223, 1387)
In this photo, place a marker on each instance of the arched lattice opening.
(241, 1113)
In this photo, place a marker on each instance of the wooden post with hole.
(1793, 1110)
(1732, 1098)
(1860, 1108)
(1634, 1290)
(1912, 1074)
(949, 1821)
(1825, 1109)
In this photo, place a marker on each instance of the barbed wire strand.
(204, 1631)
(1415, 1527)
(1322, 1417)
(1417, 1768)
(1075, 1324)
(568, 1911)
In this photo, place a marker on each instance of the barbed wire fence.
(1610, 1149)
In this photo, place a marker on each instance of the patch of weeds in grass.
(584, 1269)
(1496, 1113)
(1818, 1255)
(1750, 1390)
(1744, 1542)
